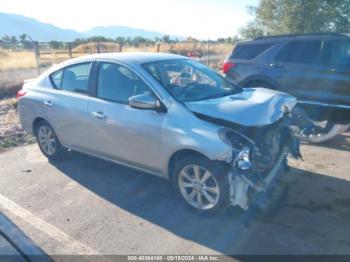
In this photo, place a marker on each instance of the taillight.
(227, 66)
(21, 93)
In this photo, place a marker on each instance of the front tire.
(48, 142)
(202, 185)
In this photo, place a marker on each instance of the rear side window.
(340, 52)
(73, 78)
(249, 51)
(57, 79)
(305, 52)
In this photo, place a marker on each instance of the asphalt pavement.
(89, 206)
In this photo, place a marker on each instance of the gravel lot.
(89, 206)
(11, 132)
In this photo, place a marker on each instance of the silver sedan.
(166, 115)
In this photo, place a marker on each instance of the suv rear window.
(305, 52)
(249, 51)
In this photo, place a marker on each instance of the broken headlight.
(242, 161)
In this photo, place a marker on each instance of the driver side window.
(117, 83)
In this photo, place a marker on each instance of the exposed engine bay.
(258, 155)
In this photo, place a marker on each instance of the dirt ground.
(11, 132)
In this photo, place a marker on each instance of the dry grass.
(11, 132)
(26, 59)
(48, 59)
(3, 54)
(92, 48)
(16, 60)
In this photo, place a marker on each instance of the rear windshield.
(249, 51)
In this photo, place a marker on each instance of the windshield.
(188, 80)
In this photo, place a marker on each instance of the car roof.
(289, 37)
(130, 57)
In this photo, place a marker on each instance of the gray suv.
(315, 68)
(166, 115)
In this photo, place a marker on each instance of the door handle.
(48, 103)
(99, 115)
(339, 70)
(276, 65)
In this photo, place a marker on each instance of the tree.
(157, 39)
(166, 38)
(120, 41)
(99, 39)
(22, 38)
(13, 40)
(55, 44)
(298, 17)
(251, 31)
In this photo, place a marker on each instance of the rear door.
(338, 91)
(66, 104)
(300, 68)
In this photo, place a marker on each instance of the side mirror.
(144, 101)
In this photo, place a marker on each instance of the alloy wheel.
(47, 140)
(198, 187)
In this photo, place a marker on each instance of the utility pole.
(37, 55)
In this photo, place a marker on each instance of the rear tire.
(332, 130)
(48, 141)
(202, 185)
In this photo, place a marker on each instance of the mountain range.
(14, 25)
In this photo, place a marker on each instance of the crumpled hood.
(251, 107)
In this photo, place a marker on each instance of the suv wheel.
(202, 185)
(322, 134)
(48, 142)
(258, 83)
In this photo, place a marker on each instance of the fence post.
(208, 52)
(98, 47)
(70, 50)
(158, 47)
(37, 55)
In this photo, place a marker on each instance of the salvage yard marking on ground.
(55, 233)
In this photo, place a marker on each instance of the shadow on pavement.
(152, 199)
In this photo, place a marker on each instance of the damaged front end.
(258, 157)
(257, 126)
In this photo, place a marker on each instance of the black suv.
(315, 68)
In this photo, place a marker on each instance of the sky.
(197, 18)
